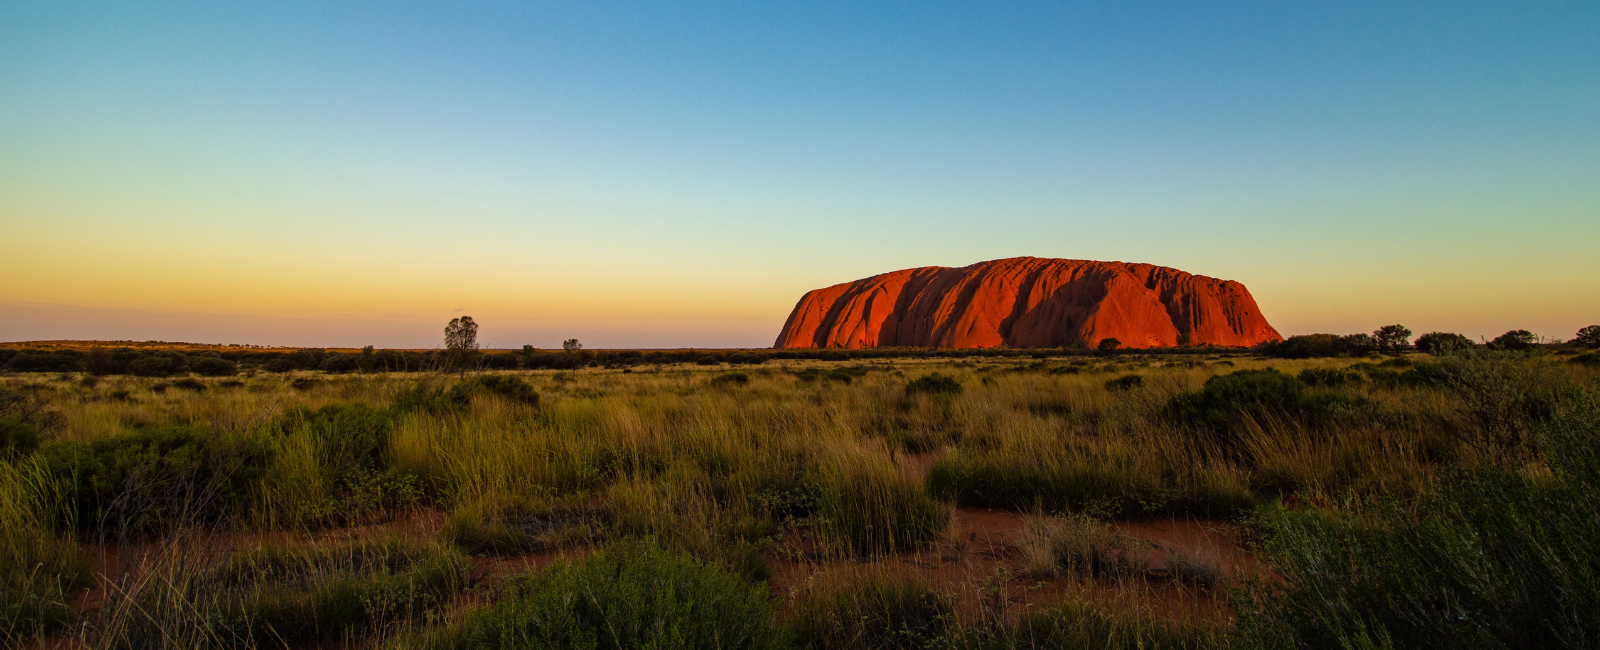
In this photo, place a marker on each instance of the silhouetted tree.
(1438, 342)
(1392, 338)
(1588, 337)
(1514, 340)
(460, 342)
(571, 345)
(1108, 344)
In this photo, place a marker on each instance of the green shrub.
(352, 450)
(213, 366)
(281, 596)
(1591, 359)
(1514, 340)
(707, 360)
(872, 612)
(39, 572)
(872, 508)
(1327, 377)
(1079, 624)
(1220, 407)
(630, 596)
(1488, 558)
(1125, 382)
(934, 384)
(189, 383)
(154, 479)
(1441, 342)
(730, 379)
(17, 437)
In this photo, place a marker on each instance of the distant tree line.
(1394, 339)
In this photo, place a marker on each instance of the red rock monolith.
(1028, 302)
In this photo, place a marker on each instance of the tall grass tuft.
(871, 611)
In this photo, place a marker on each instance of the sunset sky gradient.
(678, 174)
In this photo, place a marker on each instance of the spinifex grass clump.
(335, 465)
(156, 479)
(1491, 557)
(1077, 546)
(873, 611)
(869, 507)
(281, 595)
(630, 596)
(38, 570)
(1079, 624)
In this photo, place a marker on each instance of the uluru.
(1028, 302)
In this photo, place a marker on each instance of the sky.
(679, 174)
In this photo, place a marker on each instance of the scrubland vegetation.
(1002, 501)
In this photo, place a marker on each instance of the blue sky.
(679, 174)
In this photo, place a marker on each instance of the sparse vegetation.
(807, 502)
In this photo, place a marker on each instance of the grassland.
(1117, 501)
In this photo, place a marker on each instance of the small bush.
(708, 360)
(1327, 377)
(1076, 546)
(630, 596)
(872, 612)
(304, 383)
(934, 384)
(730, 379)
(1225, 400)
(1514, 340)
(213, 366)
(154, 479)
(1078, 624)
(189, 383)
(1441, 342)
(1125, 382)
(1591, 359)
(870, 508)
(17, 437)
(511, 387)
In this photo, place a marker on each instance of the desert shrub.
(1307, 346)
(1080, 624)
(873, 611)
(1591, 359)
(213, 366)
(352, 451)
(189, 383)
(1327, 377)
(304, 383)
(159, 364)
(511, 387)
(17, 437)
(339, 363)
(1514, 340)
(1220, 406)
(841, 375)
(31, 361)
(502, 529)
(1488, 558)
(934, 384)
(730, 379)
(870, 508)
(1125, 382)
(1440, 342)
(1106, 487)
(282, 596)
(279, 365)
(1076, 546)
(38, 571)
(1108, 344)
(707, 360)
(1588, 336)
(157, 478)
(630, 596)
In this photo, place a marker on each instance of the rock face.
(1028, 302)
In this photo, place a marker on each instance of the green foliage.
(1588, 337)
(1327, 377)
(1125, 382)
(1307, 346)
(277, 596)
(1225, 400)
(17, 437)
(510, 387)
(1392, 338)
(1487, 559)
(1079, 624)
(870, 508)
(843, 375)
(352, 451)
(873, 611)
(1514, 340)
(1108, 344)
(1441, 342)
(156, 479)
(39, 572)
(213, 366)
(1591, 359)
(189, 383)
(630, 596)
(730, 379)
(934, 384)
